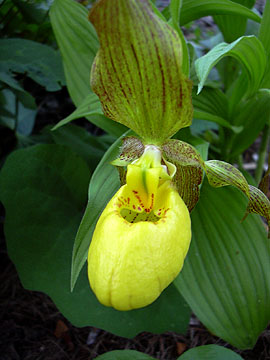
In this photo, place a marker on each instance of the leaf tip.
(200, 86)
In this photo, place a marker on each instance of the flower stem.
(262, 153)
(16, 113)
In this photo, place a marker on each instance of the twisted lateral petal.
(137, 73)
(135, 255)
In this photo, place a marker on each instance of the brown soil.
(33, 329)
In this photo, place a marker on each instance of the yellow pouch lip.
(137, 249)
(130, 266)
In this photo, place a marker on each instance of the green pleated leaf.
(220, 173)
(174, 21)
(38, 61)
(194, 9)
(103, 185)
(137, 72)
(189, 173)
(265, 39)
(44, 190)
(243, 50)
(175, 10)
(90, 147)
(202, 115)
(206, 352)
(210, 352)
(90, 108)
(124, 355)
(32, 12)
(78, 44)
(252, 114)
(225, 279)
(233, 26)
(212, 101)
(99, 194)
(212, 105)
(264, 28)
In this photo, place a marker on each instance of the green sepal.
(189, 173)
(132, 148)
(190, 167)
(137, 72)
(220, 173)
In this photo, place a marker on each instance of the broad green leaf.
(233, 26)
(194, 9)
(212, 101)
(91, 148)
(31, 12)
(203, 127)
(265, 39)
(264, 28)
(185, 56)
(38, 61)
(103, 185)
(225, 279)
(8, 79)
(212, 105)
(217, 119)
(205, 352)
(53, 180)
(175, 9)
(210, 352)
(100, 192)
(252, 114)
(243, 50)
(44, 189)
(91, 109)
(78, 44)
(137, 73)
(20, 111)
(124, 355)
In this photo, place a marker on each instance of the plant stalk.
(16, 114)
(262, 153)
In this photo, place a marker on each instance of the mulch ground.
(33, 329)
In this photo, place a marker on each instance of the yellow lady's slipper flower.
(141, 239)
